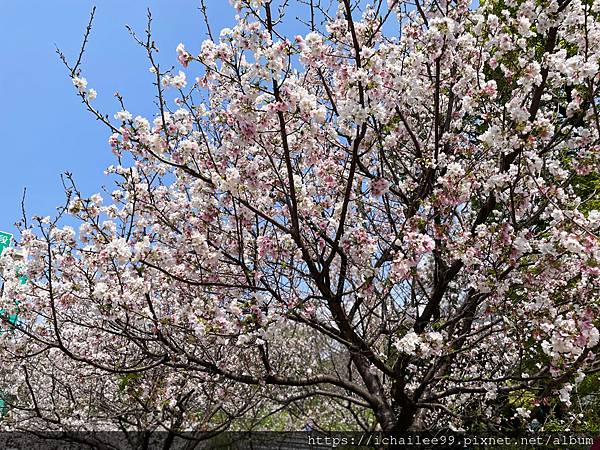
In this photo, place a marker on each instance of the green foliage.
(588, 189)
(588, 399)
(128, 380)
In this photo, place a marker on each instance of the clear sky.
(45, 130)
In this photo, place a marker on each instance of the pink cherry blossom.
(389, 227)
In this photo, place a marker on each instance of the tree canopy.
(388, 221)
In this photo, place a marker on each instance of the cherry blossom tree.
(373, 224)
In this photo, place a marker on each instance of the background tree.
(384, 221)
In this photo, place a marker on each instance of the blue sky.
(45, 129)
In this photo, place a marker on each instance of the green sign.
(5, 240)
(5, 399)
